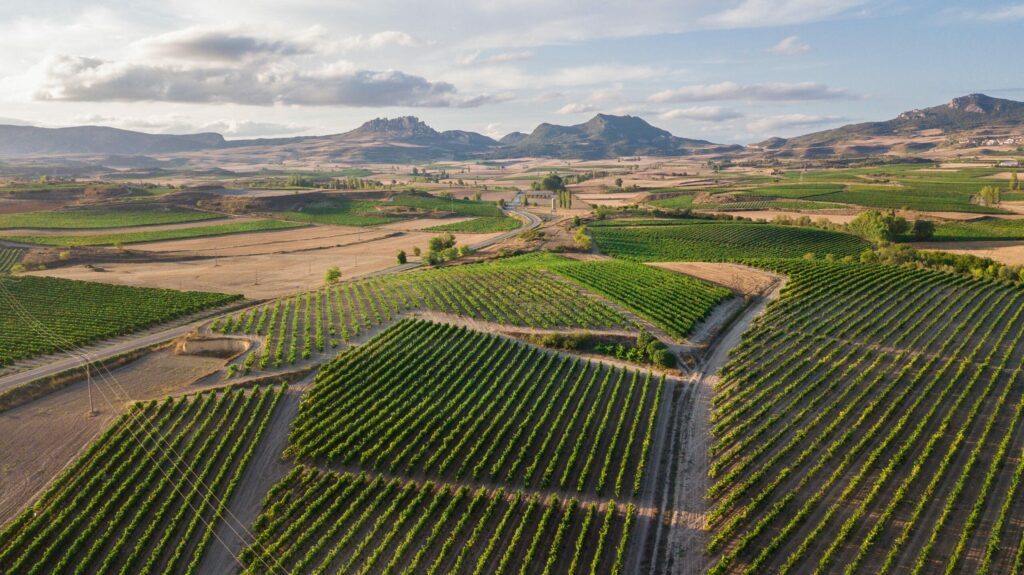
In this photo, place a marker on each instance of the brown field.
(737, 277)
(248, 264)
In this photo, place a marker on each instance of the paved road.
(105, 352)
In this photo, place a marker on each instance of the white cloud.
(476, 58)
(702, 114)
(379, 40)
(1006, 13)
(220, 46)
(577, 108)
(791, 122)
(790, 46)
(766, 13)
(81, 79)
(763, 92)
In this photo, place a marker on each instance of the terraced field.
(870, 422)
(722, 241)
(41, 315)
(464, 405)
(323, 522)
(147, 495)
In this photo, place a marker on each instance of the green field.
(870, 422)
(474, 406)
(42, 315)
(988, 229)
(721, 241)
(103, 217)
(148, 494)
(485, 225)
(382, 526)
(152, 236)
(672, 301)
(339, 212)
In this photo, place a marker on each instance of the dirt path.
(682, 531)
(266, 469)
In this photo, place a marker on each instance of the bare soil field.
(740, 278)
(1006, 252)
(262, 270)
(270, 242)
(38, 439)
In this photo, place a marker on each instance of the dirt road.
(680, 536)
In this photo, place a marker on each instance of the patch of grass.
(339, 212)
(485, 225)
(103, 217)
(153, 236)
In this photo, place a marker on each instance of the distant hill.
(603, 136)
(29, 140)
(961, 121)
(405, 139)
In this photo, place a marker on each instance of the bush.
(923, 230)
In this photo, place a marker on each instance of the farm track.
(680, 534)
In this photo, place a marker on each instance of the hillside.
(975, 120)
(30, 140)
(604, 136)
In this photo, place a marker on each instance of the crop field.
(485, 225)
(145, 496)
(987, 229)
(440, 204)
(467, 405)
(153, 235)
(323, 522)
(340, 212)
(870, 422)
(722, 241)
(296, 326)
(795, 191)
(9, 257)
(98, 218)
(674, 302)
(42, 315)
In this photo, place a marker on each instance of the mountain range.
(963, 121)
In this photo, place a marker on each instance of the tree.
(416, 251)
(990, 196)
(923, 230)
(552, 183)
(618, 182)
(878, 227)
(581, 238)
(402, 259)
(1014, 182)
(333, 275)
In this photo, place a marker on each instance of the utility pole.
(88, 385)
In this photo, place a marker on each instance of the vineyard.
(323, 522)
(721, 241)
(9, 257)
(443, 204)
(674, 302)
(147, 494)
(293, 328)
(870, 422)
(41, 315)
(462, 404)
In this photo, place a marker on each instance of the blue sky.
(733, 71)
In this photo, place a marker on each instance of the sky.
(730, 71)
